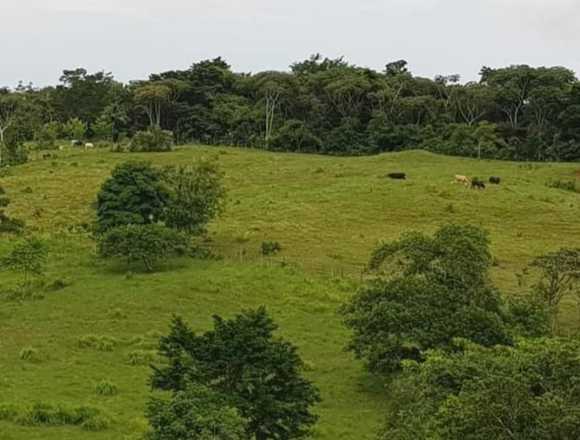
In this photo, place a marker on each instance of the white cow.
(89, 146)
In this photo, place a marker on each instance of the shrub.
(134, 194)
(47, 414)
(270, 248)
(147, 244)
(141, 357)
(196, 413)
(197, 195)
(106, 388)
(154, 139)
(75, 129)
(28, 257)
(47, 135)
(566, 185)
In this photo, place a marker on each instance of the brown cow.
(462, 179)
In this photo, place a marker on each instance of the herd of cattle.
(474, 183)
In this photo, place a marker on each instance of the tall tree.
(240, 358)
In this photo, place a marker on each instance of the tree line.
(319, 105)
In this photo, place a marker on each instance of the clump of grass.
(99, 343)
(56, 285)
(29, 354)
(47, 414)
(117, 314)
(270, 248)
(141, 357)
(450, 208)
(106, 388)
(566, 185)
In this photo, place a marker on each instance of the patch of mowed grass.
(328, 226)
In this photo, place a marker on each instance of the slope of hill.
(327, 213)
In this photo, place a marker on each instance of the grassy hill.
(328, 213)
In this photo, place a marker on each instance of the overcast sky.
(132, 38)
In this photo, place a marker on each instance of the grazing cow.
(495, 180)
(477, 184)
(76, 143)
(88, 146)
(398, 176)
(464, 180)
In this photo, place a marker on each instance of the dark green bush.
(269, 248)
(154, 139)
(147, 244)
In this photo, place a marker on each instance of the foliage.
(134, 194)
(559, 276)
(566, 185)
(28, 258)
(147, 244)
(195, 412)
(439, 291)
(321, 105)
(75, 129)
(197, 195)
(295, 136)
(106, 388)
(47, 414)
(240, 358)
(529, 391)
(270, 248)
(151, 140)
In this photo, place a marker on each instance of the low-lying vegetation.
(47, 414)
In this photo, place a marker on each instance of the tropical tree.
(240, 358)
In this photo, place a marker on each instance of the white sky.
(132, 38)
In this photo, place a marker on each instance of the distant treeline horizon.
(320, 105)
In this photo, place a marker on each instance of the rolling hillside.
(327, 213)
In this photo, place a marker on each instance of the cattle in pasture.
(397, 176)
(495, 180)
(477, 184)
(89, 146)
(464, 180)
(76, 143)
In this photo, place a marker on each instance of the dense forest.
(320, 105)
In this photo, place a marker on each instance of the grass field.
(328, 213)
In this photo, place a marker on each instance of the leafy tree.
(28, 258)
(526, 392)
(8, 112)
(438, 290)
(197, 196)
(295, 136)
(134, 194)
(145, 243)
(242, 359)
(559, 276)
(195, 413)
(75, 129)
(83, 95)
(153, 98)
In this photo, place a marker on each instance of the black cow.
(495, 180)
(477, 184)
(398, 176)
